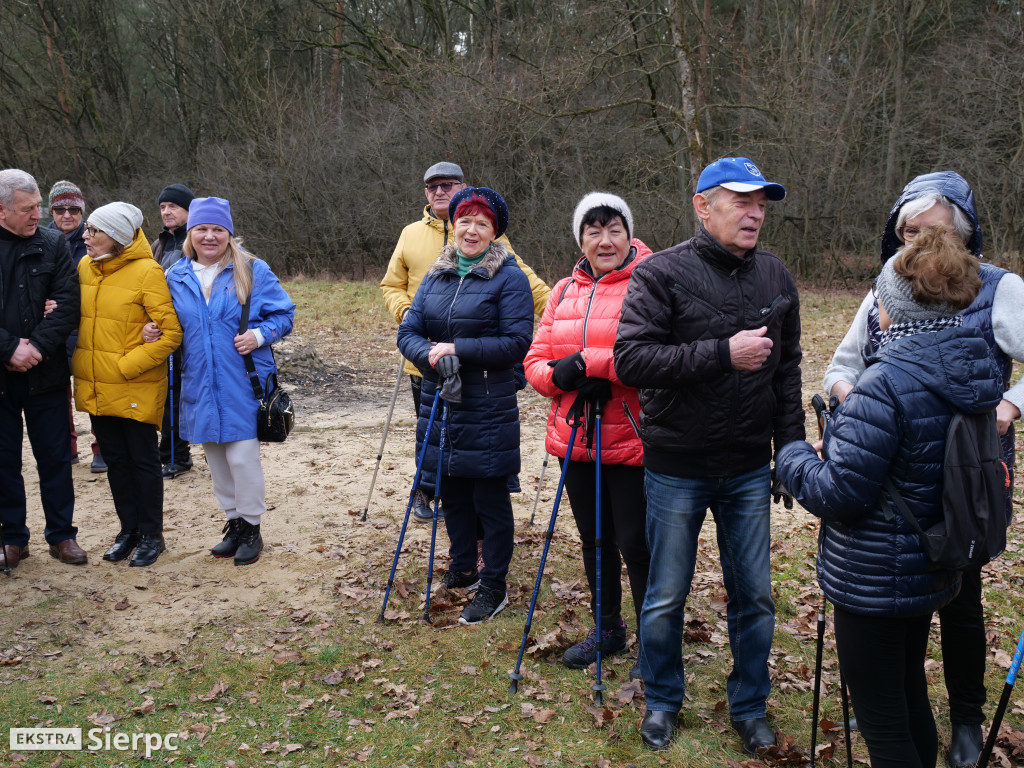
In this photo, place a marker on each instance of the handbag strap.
(250, 366)
(901, 505)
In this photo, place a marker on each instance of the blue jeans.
(676, 508)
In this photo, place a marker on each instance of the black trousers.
(133, 471)
(963, 651)
(169, 436)
(882, 659)
(623, 533)
(46, 418)
(472, 503)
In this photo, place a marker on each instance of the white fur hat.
(596, 200)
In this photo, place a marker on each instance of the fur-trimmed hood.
(490, 263)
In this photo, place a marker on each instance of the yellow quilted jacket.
(116, 374)
(418, 248)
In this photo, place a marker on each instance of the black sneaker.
(250, 543)
(487, 604)
(173, 470)
(466, 581)
(229, 545)
(584, 653)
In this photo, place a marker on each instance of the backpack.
(974, 483)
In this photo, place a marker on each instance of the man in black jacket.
(35, 265)
(710, 334)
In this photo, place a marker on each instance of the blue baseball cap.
(740, 175)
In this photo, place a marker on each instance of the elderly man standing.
(174, 200)
(418, 248)
(710, 334)
(35, 265)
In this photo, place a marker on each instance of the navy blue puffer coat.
(488, 315)
(894, 424)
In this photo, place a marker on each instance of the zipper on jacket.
(632, 421)
(448, 320)
(487, 387)
(765, 311)
(703, 302)
(586, 315)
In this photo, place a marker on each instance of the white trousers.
(238, 478)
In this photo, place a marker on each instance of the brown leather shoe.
(13, 554)
(69, 552)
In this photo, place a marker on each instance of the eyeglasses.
(60, 210)
(91, 231)
(909, 233)
(444, 186)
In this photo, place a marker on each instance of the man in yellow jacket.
(418, 248)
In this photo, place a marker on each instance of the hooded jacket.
(418, 248)
(584, 315)
(40, 268)
(217, 401)
(116, 374)
(488, 315)
(861, 341)
(701, 417)
(893, 424)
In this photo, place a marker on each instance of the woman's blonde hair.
(239, 259)
(939, 268)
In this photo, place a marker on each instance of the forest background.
(316, 118)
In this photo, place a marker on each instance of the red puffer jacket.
(583, 313)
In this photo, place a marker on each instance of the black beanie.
(178, 194)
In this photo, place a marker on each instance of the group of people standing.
(130, 312)
(691, 357)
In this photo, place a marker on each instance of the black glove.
(779, 492)
(595, 391)
(447, 366)
(569, 372)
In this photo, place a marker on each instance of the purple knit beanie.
(211, 210)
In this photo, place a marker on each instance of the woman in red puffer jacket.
(570, 361)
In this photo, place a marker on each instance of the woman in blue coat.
(473, 315)
(871, 564)
(209, 285)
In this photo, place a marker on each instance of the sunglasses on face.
(61, 210)
(444, 186)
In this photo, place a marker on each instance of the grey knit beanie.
(894, 293)
(596, 200)
(119, 220)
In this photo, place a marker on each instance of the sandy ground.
(317, 485)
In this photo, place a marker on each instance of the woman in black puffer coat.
(473, 316)
(871, 564)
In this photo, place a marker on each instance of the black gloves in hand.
(595, 391)
(447, 366)
(569, 372)
(779, 492)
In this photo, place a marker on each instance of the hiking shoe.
(487, 604)
(170, 471)
(466, 581)
(584, 653)
(421, 511)
(250, 543)
(98, 465)
(635, 673)
(229, 545)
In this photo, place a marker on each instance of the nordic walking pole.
(408, 507)
(170, 421)
(844, 693)
(540, 484)
(820, 414)
(514, 675)
(997, 719)
(437, 503)
(598, 687)
(384, 437)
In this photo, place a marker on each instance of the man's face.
(22, 218)
(67, 218)
(173, 215)
(439, 193)
(735, 219)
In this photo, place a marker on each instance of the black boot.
(228, 547)
(250, 543)
(149, 549)
(965, 746)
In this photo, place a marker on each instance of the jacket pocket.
(629, 417)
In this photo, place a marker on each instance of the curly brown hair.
(940, 269)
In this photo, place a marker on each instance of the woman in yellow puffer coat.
(119, 381)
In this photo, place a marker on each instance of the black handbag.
(275, 417)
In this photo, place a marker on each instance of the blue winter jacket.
(217, 401)
(488, 314)
(893, 424)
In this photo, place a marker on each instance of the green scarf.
(466, 263)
